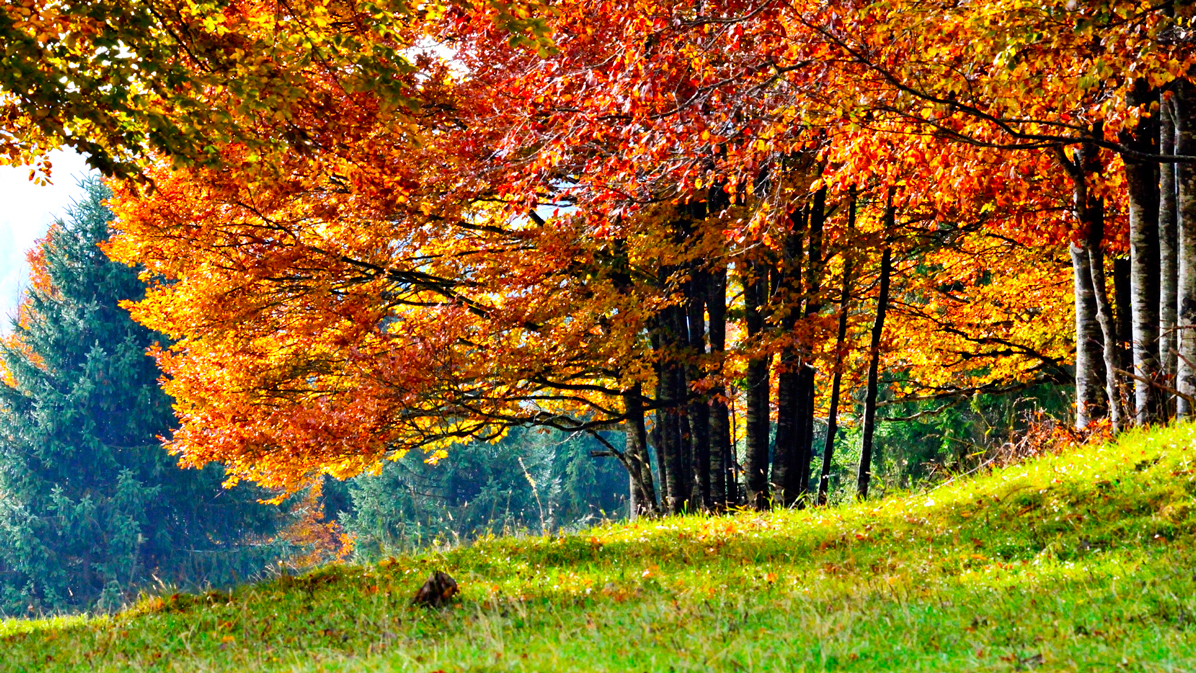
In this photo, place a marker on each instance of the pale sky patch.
(26, 211)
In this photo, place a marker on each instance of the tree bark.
(1185, 124)
(814, 268)
(1168, 257)
(722, 479)
(680, 412)
(1089, 350)
(639, 468)
(755, 293)
(832, 416)
(786, 453)
(699, 409)
(1104, 315)
(1142, 181)
(1125, 334)
(864, 476)
(667, 431)
(1099, 344)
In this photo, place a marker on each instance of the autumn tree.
(117, 79)
(632, 226)
(92, 507)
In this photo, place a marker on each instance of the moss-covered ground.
(1079, 562)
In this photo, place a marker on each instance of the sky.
(26, 210)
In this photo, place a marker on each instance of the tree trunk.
(808, 396)
(832, 416)
(1125, 334)
(699, 409)
(814, 268)
(680, 413)
(1089, 350)
(639, 468)
(1142, 181)
(722, 480)
(667, 431)
(1096, 346)
(657, 438)
(1185, 124)
(755, 293)
(1168, 257)
(786, 453)
(785, 471)
(1104, 314)
(864, 476)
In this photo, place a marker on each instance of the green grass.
(1083, 562)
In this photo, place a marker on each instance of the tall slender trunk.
(809, 398)
(864, 476)
(832, 416)
(755, 293)
(1142, 181)
(814, 268)
(722, 480)
(667, 432)
(786, 453)
(643, 492)
(699, 409)
(1095, 337)
(1089, 350)
(1168, 256)
(656, 436)
(680, 411)
(1125, 334)
(1185, 124)
(1104, 314)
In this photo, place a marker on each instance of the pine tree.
(531, 480)
(91, 506)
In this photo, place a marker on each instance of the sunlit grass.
(1079, 562)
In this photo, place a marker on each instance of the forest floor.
(1083, 561)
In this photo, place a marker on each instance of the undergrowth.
(1083, 561)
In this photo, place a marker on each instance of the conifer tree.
(91, 505)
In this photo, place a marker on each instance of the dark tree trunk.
(832, 416)
(814, 268)
(1185, 123)
(681, 420)
(1089, 350)
(656, 436)
(699, 409)
(864, 476)
(667, 428)
(1142, 181)
(1168, 257)
(786, 452)
(785, 472)
(808, 396)
(1125, 333)
(755, 294)
(722, 480)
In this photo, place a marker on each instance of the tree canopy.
(694, 221)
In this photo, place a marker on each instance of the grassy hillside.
(1079, 562)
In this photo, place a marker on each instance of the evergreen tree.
(91, 506)
(531, 480)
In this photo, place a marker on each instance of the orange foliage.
(379, 282)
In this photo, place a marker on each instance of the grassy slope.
(1080, 562)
